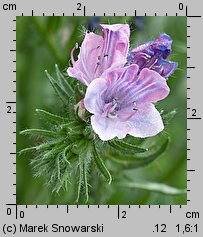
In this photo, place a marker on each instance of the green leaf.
(83, 147)
(65, 177)
(80, 180)
(168, 117)
(67, 153)
(58, 167)
(44, 146)
(48, 145)
(101, 166)
(63, 82)
(73, 130)
(140, 159)
(39, 132)
(59, 90)
(126, 147)
(152, 187)
(54, 151)
(29, 149)
(50, 116)
(85, 172)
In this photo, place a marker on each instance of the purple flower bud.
(153, 55)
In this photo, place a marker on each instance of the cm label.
(9, 7)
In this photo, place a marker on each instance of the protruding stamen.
(155, 61)
(115, 101)
(134, 108)
(72, 52)
(110, 109)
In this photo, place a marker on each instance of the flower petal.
(162, 45)
(107, 128)
(97, 54)
(84, 68)
(115, 47)
(149, 86)
(129, 87)
(123, 28)
(146, 122)
(165, 67)
(93, 100)
(120, 79)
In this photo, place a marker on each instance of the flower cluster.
(123, 85)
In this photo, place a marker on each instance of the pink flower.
(98, 54)
(122, 103)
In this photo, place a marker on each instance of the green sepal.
(141, 159)
(126, 147)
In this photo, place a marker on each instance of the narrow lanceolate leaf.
(153, 187)
(83, 170)
(70, 108)
(80, 180)
(126, 147)
(65, 178)
(59, 90)
(49, 116)
(39, 132)
(48, 145)
(58, 167)
(101, 166)
(85, 160)
(67, 153)
(63, 82)
(72, 125)
(29, 149)
(56, 150)
(140, 159)
(168, 117)
(85, 181)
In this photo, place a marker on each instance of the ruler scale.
(106, 219)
